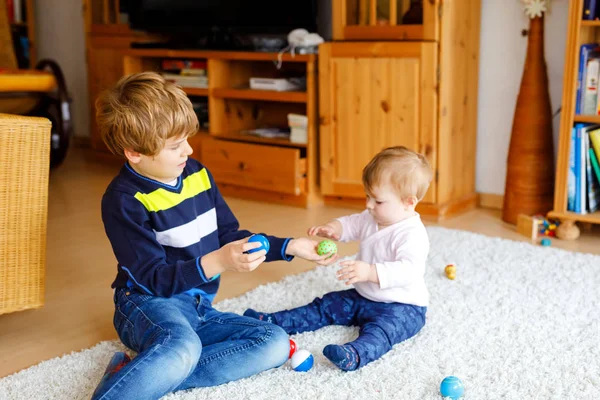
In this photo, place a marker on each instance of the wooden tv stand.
(247, 166)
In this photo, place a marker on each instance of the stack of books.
(185, 73)
(584, 169)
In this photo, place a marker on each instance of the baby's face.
(386, 207)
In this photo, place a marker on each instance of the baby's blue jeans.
(382, 325)
(183, 342)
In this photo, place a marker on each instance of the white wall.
(60, 36)
(502, 56)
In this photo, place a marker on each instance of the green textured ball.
(326, 247)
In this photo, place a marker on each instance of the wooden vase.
(529, 185)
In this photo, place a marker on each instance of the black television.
(221, 23)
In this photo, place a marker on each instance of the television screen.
(195, 18)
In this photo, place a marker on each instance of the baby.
(389, 299)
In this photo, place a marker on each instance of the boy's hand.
(307, 249)
(326, 231)
(232, 257)
(357, 271)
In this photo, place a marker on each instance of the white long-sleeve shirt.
(399, 253)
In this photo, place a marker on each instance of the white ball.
(302, 360)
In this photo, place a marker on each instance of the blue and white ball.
(302, 360)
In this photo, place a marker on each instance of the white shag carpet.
(519, 322)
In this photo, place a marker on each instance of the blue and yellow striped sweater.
(159, 232)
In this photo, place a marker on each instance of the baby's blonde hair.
(408, 172)
(141, 112)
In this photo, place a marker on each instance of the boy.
(389, 299)
(173, 235)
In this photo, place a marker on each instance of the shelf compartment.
(265, 95)
(243, 137)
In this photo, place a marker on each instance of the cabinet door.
(371, 96)
(386, 19)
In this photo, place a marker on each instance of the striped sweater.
(160, 232)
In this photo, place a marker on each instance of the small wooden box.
(528, 226)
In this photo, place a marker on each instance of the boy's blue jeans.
(382, 325)
(183, 342)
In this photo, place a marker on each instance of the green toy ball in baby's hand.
(326, 247)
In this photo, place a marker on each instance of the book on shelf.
(590, 85)
(584, 52)
(271, 133)
(590, 9)
(184, 67)
(200, 82)
(583, 181)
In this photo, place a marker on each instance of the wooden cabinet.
(421, 94)
(374, 96)
(252, 167)
(106, 38)
(386, 19)
(579, 32)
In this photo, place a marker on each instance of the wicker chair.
(24, 170)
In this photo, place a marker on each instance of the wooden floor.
(81, 266)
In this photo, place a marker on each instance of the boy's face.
(387, 208)
(165, 166)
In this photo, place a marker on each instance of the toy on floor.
(326, 247)
(293, 347)
(302, 360)
(450, 271)
(546, 242)
(452, 388)
(260, 239)
(537, 225)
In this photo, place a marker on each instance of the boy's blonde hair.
(141, 112)
(408, 172)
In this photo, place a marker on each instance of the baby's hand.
(325, 231)
(357, 271)
(307, 249)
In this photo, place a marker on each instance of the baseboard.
(491, 200)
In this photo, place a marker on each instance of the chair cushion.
(26, 80)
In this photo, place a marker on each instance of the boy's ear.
(132, 156)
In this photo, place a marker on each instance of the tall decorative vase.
(529, 185)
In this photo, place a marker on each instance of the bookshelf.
(579, 32)
(252, 167)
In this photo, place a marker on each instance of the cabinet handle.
(242, 166)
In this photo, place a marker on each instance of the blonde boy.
(390, 298)
(173, 235)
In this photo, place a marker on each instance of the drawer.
(254, 166)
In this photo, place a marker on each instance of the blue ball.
(452, 387)
(302, 360)
(262, 240)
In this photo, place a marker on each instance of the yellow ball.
(450, 271)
